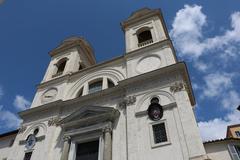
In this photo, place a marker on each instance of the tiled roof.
(219, 140)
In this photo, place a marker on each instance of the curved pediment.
(89, 115)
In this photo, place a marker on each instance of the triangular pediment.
(90, 115)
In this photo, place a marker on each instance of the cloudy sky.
(206, 35)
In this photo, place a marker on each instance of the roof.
(221, 140)
(73, 42)
(228, 134)
(9, 133)
(140, 15)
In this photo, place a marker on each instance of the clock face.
(30, 142)
(49, 95)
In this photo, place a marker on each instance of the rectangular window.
(159, 133)
(237, 133)
(87, 151)
(28, 156)
(237, 148)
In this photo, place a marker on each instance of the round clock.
(30, 142)
(49, 95)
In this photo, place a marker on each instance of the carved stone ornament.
(107, 129)
(53, 121)
(22, 129)
(66, 138)
(176, 87)
(130, 100)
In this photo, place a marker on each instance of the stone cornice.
(80, 42)
(107, 63)
(121, 87)
(178, 67)
(156, 45)
(134, 18)
(83, 71)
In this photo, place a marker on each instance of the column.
(105, 83)
(85, 89)
(107, 153)
(66, 148)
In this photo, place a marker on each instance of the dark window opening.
(237, 133)
(159, 133)
(28, 156)
(35, 132)
(61, 67)
(87, 151)
(144, 36)
(110, 83)
(81, 66)
(95, 87)
(237, 148)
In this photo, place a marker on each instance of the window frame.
(27, 152)
(93, 82)
(59, 62)
(237, 133)
(233, 151)
(152, 141)
(82, 139)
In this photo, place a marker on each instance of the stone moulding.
(130, 100)
(177, 86)
(53, 121)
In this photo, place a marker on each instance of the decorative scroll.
(53, 121)
(66, 138)
(130, 100)
(178, 86)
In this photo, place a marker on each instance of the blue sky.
(206, 35)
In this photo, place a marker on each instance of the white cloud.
(187, 30)
(21, 103)
(216, 128)
(231, 100)
(210, 54)
(201, 66)
(216, 84)
(188, 36)
(8, 119)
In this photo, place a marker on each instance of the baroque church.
(138, 106)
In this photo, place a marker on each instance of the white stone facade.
(66, 113)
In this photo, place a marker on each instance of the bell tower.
(73, 54)
(144, 27)
(147, 42)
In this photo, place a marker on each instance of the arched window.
(61, 67)
(61, 64)
(144, 37)
(110, 83)
(95, 86)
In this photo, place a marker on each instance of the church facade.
(137, 106)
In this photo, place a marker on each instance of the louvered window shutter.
(233, 152)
